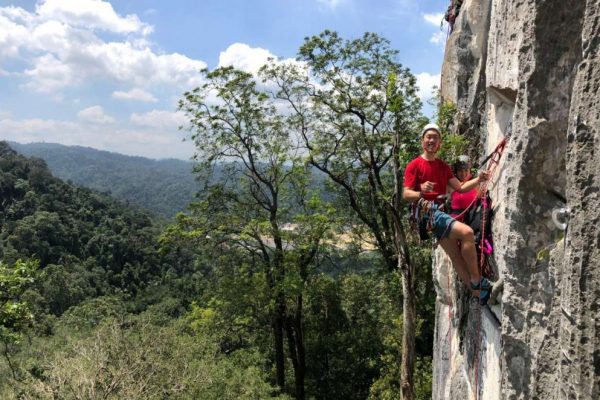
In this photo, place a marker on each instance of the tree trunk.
(296, 345)
(280, 307)
(301, 351)
(278, 326)
(408, 336)
(406, 267)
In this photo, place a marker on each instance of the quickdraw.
(421, 217)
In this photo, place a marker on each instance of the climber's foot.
(482, 290)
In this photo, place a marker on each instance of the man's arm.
(410, 195)
(410, 183)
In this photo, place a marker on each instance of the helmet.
(462, 162)
(429, 127)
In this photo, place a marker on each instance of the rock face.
(530, 70)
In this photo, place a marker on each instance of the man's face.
(431, 141)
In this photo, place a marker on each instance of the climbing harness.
(422, 215)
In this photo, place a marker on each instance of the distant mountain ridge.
(163, 187)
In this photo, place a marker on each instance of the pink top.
(460, 201)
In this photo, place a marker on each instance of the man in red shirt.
(427, 177)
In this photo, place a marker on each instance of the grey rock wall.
(463, 71)
(533, 70)
(579, 329)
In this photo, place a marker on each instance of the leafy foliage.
(262, 208)
(454, 144)
(163, 187)
(15, 313)
(86, 243)
(140, 358)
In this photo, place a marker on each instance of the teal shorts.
(442, 223)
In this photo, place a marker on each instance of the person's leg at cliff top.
(428, 177)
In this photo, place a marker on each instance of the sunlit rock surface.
(529, 70)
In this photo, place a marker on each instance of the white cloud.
(120, 62)
(438, 38)
(426, 83)
(159, 119)
(434, 19)
(49, 74)
(12, 32)
(135, 94)
(244, 57)
(95, 115)
(140, 141)
(95, 14)
(251, 59)
(60, 47)
(36, 130)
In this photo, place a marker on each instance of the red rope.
(450, 315)
(477, 355)
(483, 189)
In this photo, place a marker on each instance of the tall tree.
(356, 110)
(260, 204)
(15, 314)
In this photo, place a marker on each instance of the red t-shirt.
(420, 170)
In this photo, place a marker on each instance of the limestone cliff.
(531, 68)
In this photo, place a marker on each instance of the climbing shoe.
(485, 290)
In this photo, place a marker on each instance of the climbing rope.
(483, 187)
(494, 161)
(495, 157)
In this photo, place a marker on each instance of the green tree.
(357, 110)
(15, 313)
(134, 357)
(344, 325)
(261, 205)
(455, 144)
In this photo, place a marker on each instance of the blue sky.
(108, 74)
